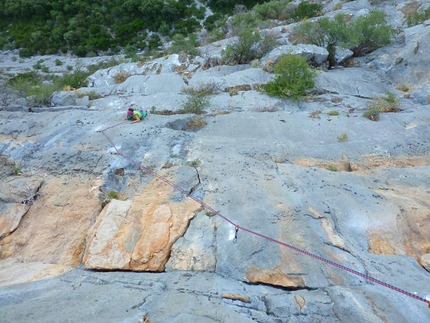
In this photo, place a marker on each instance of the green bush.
(195, 104)
(181, 44)
(386, 103)
(371, 115)
(371, 32)
(270, 10)
(32, 88)
(130, 51)
(247, 20)
(40, 95)
(294, 77)
(307, 9)
(343, 137)
(250, 45)
(113, 195)
(332, 168)
(74, 80)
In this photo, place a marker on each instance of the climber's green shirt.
(138, 113)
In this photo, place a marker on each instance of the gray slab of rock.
(352, 81)
(245, 101)
(63, 98)
(411, 66)
(195, 250)
(313, 54)
(153, 84)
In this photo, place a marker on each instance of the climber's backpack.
(144, 113)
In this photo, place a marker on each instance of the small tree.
(251, 45)
(184, 45)
(362, 34)
(295, 76)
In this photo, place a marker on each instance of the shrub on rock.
(250, 45)
(295, 76)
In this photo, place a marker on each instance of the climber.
(135, 115)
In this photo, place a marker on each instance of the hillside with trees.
(90, 28)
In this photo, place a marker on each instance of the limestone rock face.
(425, 261)
(196, 249)
(54, 227)
(12, 272)
(18, 193)
(275, 278)
(303, 198)
(138, 235)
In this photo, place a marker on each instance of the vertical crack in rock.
(215, 247)
(198, 182)
(34, 196)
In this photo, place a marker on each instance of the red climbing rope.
(237, 227)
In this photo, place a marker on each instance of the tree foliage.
(91, 26)
(362, 34)
(250, 45)
(294, 77)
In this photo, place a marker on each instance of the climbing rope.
(237, 227)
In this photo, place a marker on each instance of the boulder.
(64, 98)
(315, 55)
(353, 82)
(138, 235)
(342, 54)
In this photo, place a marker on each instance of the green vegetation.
(181, 44)
(295, 76)
(251, 45)
(196, 123)
(113, 195)
(332, 168)
(402, 87)
(204, 88)
(105, 198)
(37, 89)
(333, 113)
(168, 164)
(371, 115)
(209, 213)
(362, 34)
(261, 15)
(306, 10)
(16, 170)
(194, 163)
(343, 137)
(386, 103)
(86, 28)
(89, 28)
(195, 104)
(418, 17)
